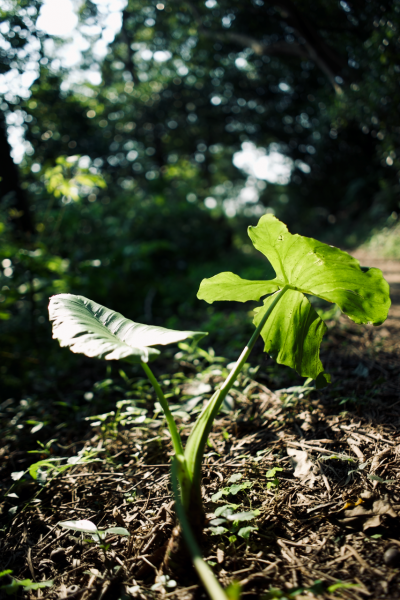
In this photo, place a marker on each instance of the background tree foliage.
(185, 85)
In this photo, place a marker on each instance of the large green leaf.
(294, 331)
(312, 267)
(91, 329)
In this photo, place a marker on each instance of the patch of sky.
(236, 199)
(241, 63)
(145, 54)
(284, 87)
(16, 131)
(59, 18)
(262, 165)
(162, 55)
(267, 164)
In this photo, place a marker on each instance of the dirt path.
(391, 271)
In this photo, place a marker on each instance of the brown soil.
(391, 271)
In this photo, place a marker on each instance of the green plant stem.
(204, 572)
(198, 437)
(176, 438)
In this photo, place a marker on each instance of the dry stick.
(186, 589)
(267, 562)
(148, 562)
(298, 544)
(321, 450)
(30, 564)
(89, 585)
(370, 435)
(323, 543)
(325, 480)
(50, 543)
(47, 534)
(338, 559)
(362, 562)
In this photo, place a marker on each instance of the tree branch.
(311, 45)
(277, 49)
(129, 62)
(10, 188)
(329, 61)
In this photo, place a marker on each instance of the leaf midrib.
(310, 293)
(100, 326)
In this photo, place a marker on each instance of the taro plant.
(291, 329)
(86, 526)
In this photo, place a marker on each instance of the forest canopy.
(178, 124)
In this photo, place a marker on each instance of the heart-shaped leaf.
(96, 331)
(293, 331)
(84, 525)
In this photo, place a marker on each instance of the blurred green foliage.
(130, 182)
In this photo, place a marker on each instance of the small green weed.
(273, 480)
(317, 589)
(13, 585)
(228, 521)
(232, 489)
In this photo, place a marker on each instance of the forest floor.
(320, 470)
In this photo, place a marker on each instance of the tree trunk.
(11, 192)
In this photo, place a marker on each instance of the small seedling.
(45, 449)
(230, 522)
(98, 535)
(232, 489)
(271, 475)
(380, 480)
(317, 589)
(41, 470)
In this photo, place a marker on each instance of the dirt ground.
(320, 469)
(391, 272)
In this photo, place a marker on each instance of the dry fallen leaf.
(373, 512)
(377, 459)
(117, 516)
(304, 468)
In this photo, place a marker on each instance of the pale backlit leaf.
(96, 331)
(228, 286)
(83, 525)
